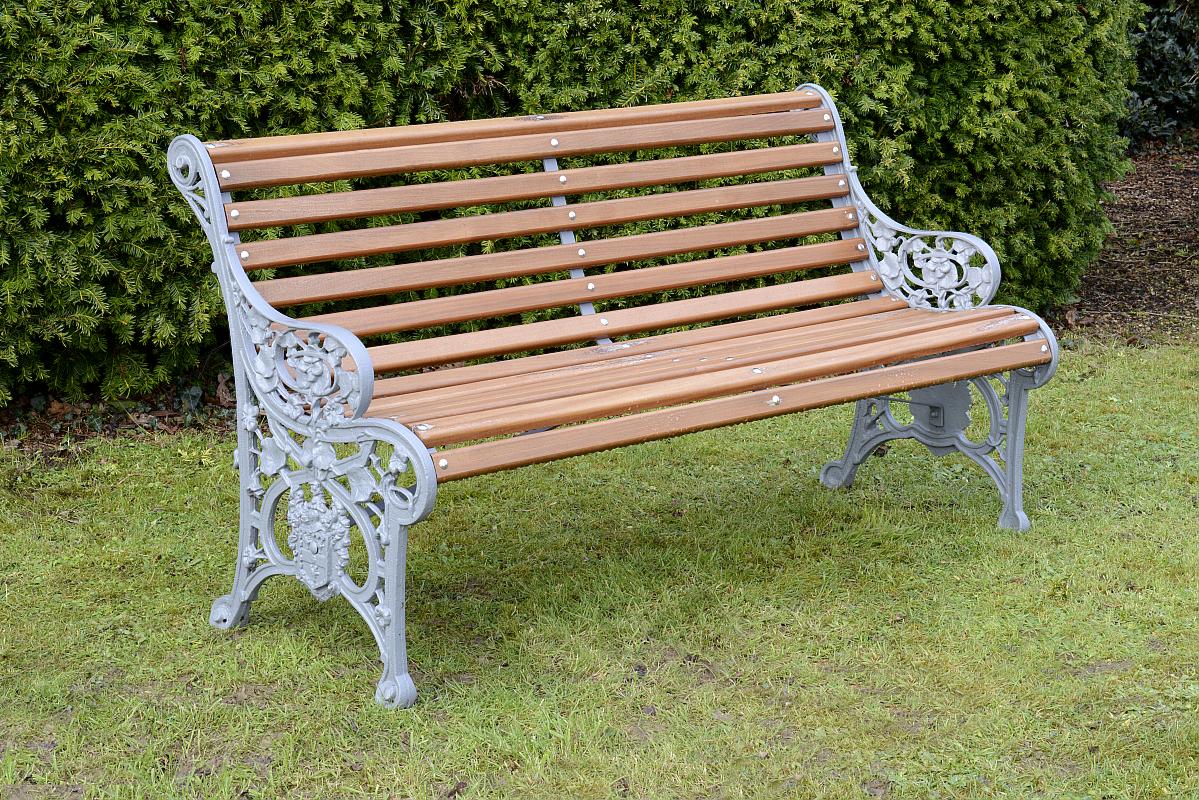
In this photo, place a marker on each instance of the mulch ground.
(1145, 285)
(1144, 288)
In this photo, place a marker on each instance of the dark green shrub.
(997, 118)
(1165, 96)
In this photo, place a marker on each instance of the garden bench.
(496, 349)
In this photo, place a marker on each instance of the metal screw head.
(591, 287)
(841, 183)
(234, 214)
(553, 142)
(836, 149)
(224, 173)
(1044, 348)
(539, 116)
(603, 321)
(443, 463)
(873, 277)
(861, 248)
(827, 117)
(422, 426)
(582, 252)
(561, 179)
(572, 215)
(756, 370)
(849, 216)
(774, 400)
(245, 254)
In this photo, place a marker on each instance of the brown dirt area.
(1145, 284)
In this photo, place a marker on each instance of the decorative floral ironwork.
(931, 270)
(319, 538)
(303, 371)
(939, 270)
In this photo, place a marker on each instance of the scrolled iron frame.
(302, 392)
(943, 271)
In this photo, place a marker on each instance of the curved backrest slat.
(501, 150)
(223, 152)
(248, 214)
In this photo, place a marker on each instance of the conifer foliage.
(997, 117)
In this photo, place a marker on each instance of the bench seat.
(416, 305)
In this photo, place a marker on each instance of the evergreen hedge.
(998, 117)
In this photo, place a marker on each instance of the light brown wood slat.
(503, 225)
(569, 291)
(535, 335)
(480, 191)
(670, 364)
(635, 364)
(528, 147)
(463, 462)
(527, 365)
(437, 431)
(282, 292)
(334, 141)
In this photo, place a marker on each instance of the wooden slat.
(443, 155)
(565, 292)
(480, 191)
(748, 376)
(472, 373)
(535, 448)
(536, 335)
(674, 363)
(282, 292)
(334, 141)
(503, 225)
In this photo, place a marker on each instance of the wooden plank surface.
(537, 335)
(473, 373)
(369, 138)
(235, 175)
(247, 214)
(550, 445)
(642, 368)
(568, 291)
(508, 224)
(442, 430)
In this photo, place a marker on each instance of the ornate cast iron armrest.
(310, 374)
(313, 375)
(940, 270)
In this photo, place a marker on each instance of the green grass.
(694, 618)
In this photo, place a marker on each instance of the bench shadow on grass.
(503, 558)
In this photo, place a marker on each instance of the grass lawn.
(695, 618)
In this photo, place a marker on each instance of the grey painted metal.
(939, 270)
(568, 237)
(301, 432)
(303, 390)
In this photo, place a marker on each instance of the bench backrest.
(733, 192)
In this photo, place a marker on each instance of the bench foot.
(227, 613)
(941, 421)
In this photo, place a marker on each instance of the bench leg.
(396, 688)
(308, 499)
(940, 418)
